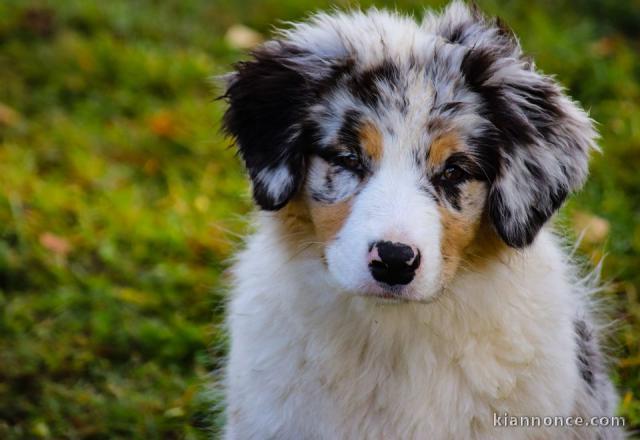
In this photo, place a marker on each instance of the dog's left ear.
(543, 139)
(268, 98)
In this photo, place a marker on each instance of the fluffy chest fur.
(308, 362)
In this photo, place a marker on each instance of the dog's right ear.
(269, 96)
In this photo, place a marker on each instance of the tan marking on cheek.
(308, 226)
(443, 147)
(460, 228)
(295, 223)
(487, 246)
(458, 233)
(371, 139)
(329, 219)
(468, 235)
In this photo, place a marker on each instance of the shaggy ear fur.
(544, 137)
(268, 97)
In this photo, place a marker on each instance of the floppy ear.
(268, 98)
(544, 137)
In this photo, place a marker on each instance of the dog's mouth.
(385, 294)
(390, 298)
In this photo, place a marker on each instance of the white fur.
(308, 361)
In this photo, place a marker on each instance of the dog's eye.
(349, 161)
(453, 174)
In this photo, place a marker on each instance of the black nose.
(393, 263)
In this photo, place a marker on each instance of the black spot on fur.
(456, 35)
(477, 67)
(586, 353)
(327, 192)
(429, 191)
(450, 107)
(451, 193)
(364, 86)
(534, 170)
(418, 159)
(349, 133)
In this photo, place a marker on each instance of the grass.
(120, 202)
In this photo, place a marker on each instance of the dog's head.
(406, 146)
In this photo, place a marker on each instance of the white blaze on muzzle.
(391, 207)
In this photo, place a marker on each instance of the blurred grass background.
(120, 202)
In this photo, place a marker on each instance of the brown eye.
(348, 161)
(453, 174)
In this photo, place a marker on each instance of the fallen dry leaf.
(60, 246)
(594, 228)
(163, 124)
(242, 37)
(8, 116)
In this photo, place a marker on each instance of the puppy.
(401, 282)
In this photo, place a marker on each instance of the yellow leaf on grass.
(134, 296)
(8, 116)
(163, 124)
(628, 398)
(55, 244)
(201, 203)
(242, 37)
(174, 413)
(629, 362)
(594, 228)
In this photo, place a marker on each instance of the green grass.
(120, 202)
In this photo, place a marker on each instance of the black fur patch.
(477, 67)
(456, 34)
(450, 107)
(268, 97)
(522, 123)
(349, 133)
(451, 193)
(364, 86)
(516, 124)
(586, 353)
(327, 194)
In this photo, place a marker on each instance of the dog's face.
(396, 188)
(405, 147)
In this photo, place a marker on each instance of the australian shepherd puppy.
(401, 282)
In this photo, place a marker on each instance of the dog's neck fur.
(483, 340)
